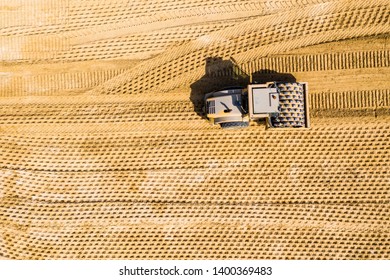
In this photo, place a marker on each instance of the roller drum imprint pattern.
(106, 151)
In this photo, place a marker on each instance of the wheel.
(291, 106)
(234, 125)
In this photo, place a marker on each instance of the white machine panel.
(264, 100)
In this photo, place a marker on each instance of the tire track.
(350, 99)
(83, 17)
(126, 111)
(35, 47)
(55, 83)
(196, 241)
(320, 62)
(315, 182)
(101, 214)
(73, 152)
(52, 84)
(184, 64)
(143, 45)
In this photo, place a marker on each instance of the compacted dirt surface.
(105, 152)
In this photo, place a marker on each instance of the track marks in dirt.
(186, 240)
(321, 62)
(291, 30)
(73, 152)
(168, 115)
(40, 41)
(113, 176)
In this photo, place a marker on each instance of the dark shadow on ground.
(221, 74)
(264, 76)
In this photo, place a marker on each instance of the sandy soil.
(104, 152)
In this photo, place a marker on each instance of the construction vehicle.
(281, 104)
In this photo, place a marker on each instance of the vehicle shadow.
(220, 74)
(265, 75)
